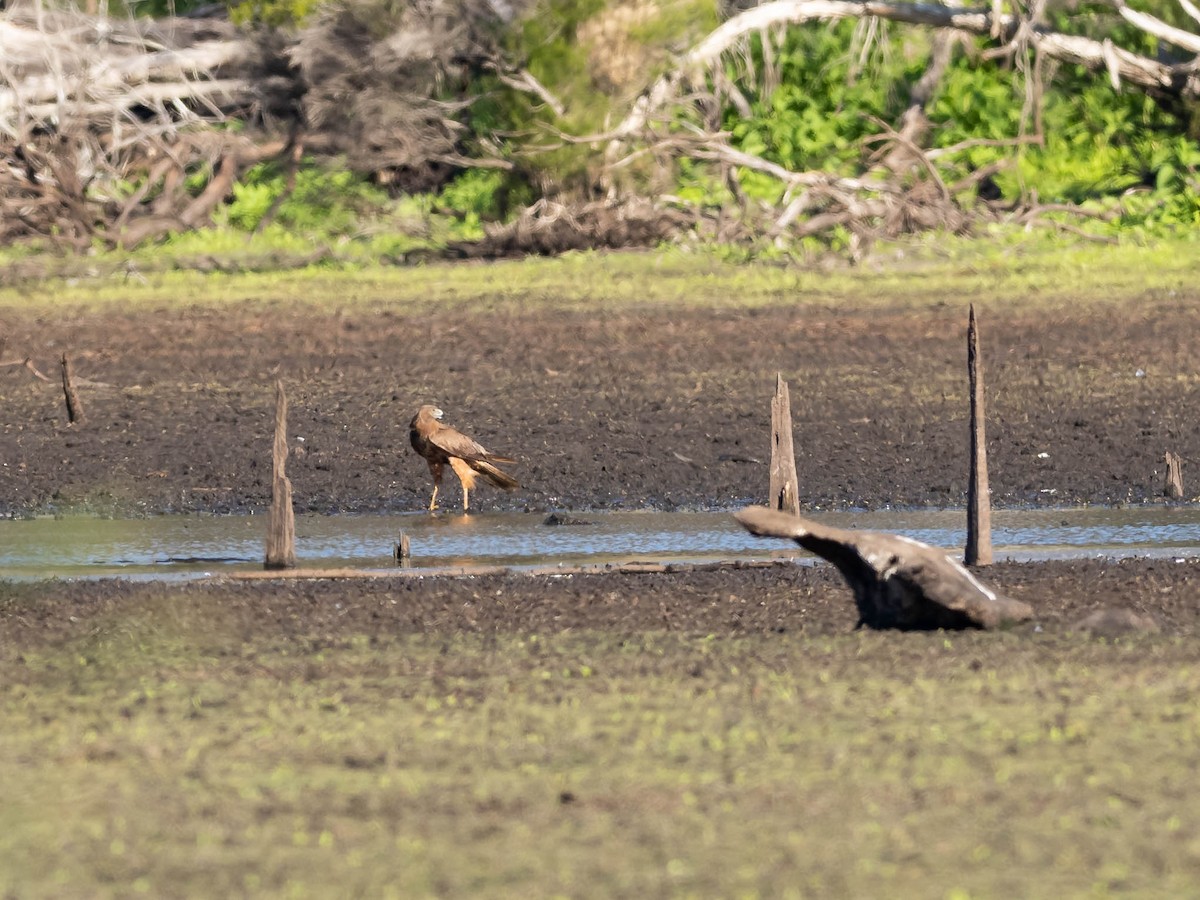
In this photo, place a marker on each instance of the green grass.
(1033, 272)
(165, 757)
(170, 753)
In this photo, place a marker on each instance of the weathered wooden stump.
(1173, 484)
(784, 490)
(897, 582)
(74, 407)
(402, 551)
(281, 523)
(978, 550)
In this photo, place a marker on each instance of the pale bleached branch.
(523, 80)
(1144, 72)
(1191, 9)
(1160, 29)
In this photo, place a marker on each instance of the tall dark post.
(281, 523)
(74, 407)
(784, 485)
(979, 497)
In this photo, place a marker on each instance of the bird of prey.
(897, 582)
(441, 445)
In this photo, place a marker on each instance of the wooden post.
(74, 408)
(402, 551)
(1174, 482)
(281, 523)
(979, 497)
(784, 485)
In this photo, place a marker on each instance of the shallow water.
(187, 546)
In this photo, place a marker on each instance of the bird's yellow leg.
(466, 475)
(433, 499)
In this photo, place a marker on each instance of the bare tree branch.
(1191, 9)
(1146, 73)
(1160, 29)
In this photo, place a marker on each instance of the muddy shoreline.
(630, 409)
(611, 409)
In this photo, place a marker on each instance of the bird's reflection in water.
(453, 520)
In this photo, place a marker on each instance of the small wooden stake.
(979, 498)
(281, 523)
(784, 484)
(74, 408)
(1174, 482)
(402, 552)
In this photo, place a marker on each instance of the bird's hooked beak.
(436, 413)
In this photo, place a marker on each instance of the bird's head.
(430, 411)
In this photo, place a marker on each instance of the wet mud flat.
(704, 713)
(655, 408)
(719, 600)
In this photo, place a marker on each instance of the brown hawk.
(441, 445)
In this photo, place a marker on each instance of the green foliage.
(825, 105)
(548, 40)
(163, 8)
(676, 25)
(323, 201)
(476, 192)
(272, 13)
(482, 195)
(1100, 145)
(181, 747)
(558, 43)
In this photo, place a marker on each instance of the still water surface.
(187, 546)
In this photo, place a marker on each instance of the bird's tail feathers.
(493, 475)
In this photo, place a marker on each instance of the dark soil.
(663, 408)
(728, 601)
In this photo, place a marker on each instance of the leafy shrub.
(476, 192)
(825, 105)
(272, 13)
(1099, 144)
(323, 202)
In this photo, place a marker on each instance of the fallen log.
(897, 582)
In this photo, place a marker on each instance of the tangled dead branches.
(903, 186)
(103, 123)
(394, 105)
(118, 130)
(549, 228)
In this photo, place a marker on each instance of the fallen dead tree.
(1180, 79)
(905, 185)
(119, 131)
(107, 126)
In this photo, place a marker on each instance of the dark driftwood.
(897, 582)
(979, 497)
(281, 524)
(1173, 486)
(74, 407)
(784, 484)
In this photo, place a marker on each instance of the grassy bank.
(168, 756)
(166, 744)
(1012, 270)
